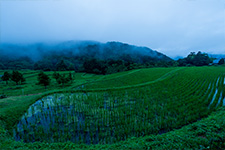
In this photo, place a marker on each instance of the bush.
(2, 96)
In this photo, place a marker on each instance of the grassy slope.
(134, 78)
(29, 88)
(90, 81)
(191, 136)
(16, 102)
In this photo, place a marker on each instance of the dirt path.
(25, 95)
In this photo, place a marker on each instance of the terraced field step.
(132, 80)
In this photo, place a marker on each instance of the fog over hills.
(81, 56)
(109, 50)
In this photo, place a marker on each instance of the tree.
(17, 77)
(61, 66)
(43, 79)
(22, 80)
(70, 78)
(95, 66)
(221, 62)
(2, 66)
(62, 79)
(190, 57)
(6, 77)
(56, 75)
(37, 66)
(199, 59)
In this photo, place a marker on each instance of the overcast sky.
(174, 27)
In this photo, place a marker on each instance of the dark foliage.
(11, 63)
(61, 66)
(6, 77)
(2, 96)
(43, 79)
(17, 77)
(221, 61)
(199, 59)
(56, 75)
(90, 57)
(63, 79)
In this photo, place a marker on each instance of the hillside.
(155, 108)
(109, 50)
(105, 58)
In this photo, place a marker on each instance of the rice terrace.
(112, 75)
(118, 110)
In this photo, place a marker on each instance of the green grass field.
(155, 108)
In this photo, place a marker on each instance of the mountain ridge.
(81, 56)
(79, 47)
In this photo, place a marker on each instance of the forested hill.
(88, 56)
(110, 50)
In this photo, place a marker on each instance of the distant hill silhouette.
(77, 54)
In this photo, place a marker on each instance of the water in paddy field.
(61, 118)
(220, 98)
(217, 82)
(209, 86)
(51, 120)
(214, 96)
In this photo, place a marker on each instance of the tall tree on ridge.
(6, 77)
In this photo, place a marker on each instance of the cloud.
(173, 27)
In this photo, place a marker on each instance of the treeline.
(15, 76)
(89, 63)
(90, 57)
(8, 63)
(86, 64)
(42, 79)
(199, 59)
